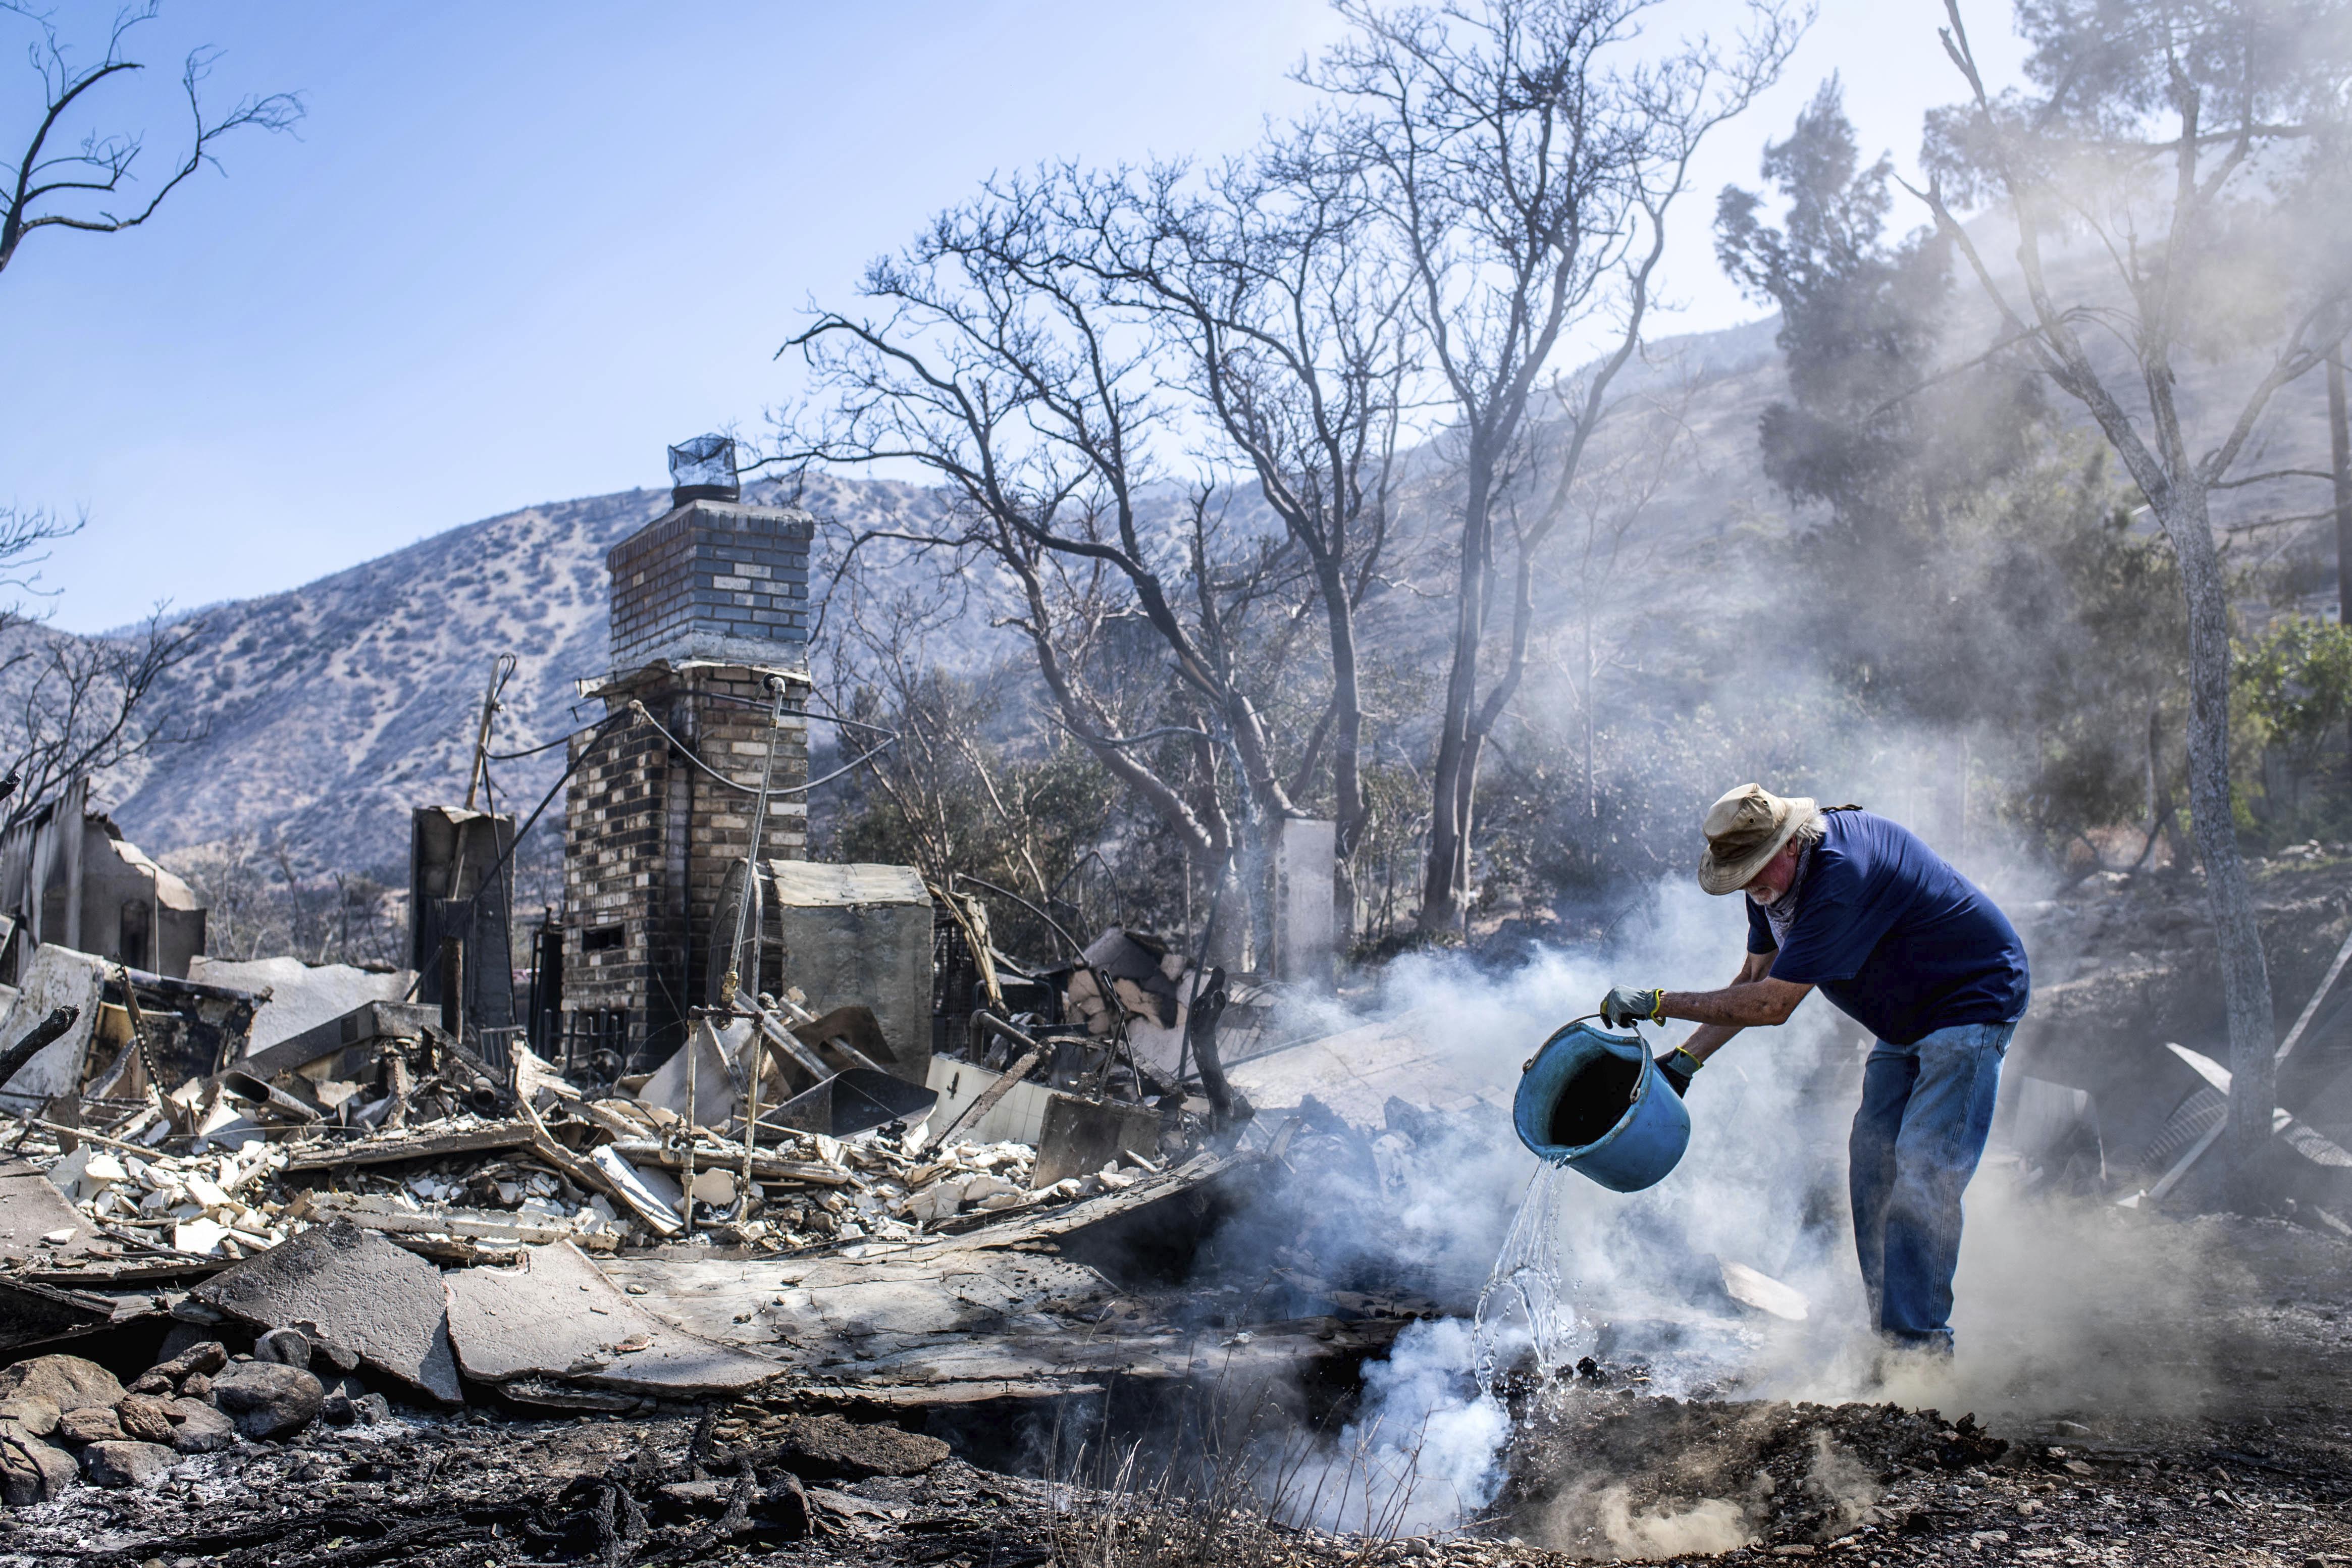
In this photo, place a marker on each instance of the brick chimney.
(709, 600)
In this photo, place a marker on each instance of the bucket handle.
(1529, 1065)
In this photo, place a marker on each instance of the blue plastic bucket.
(1596, 1103)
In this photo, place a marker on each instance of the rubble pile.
(207, 1205)
(606, 1172)
(233, 1203)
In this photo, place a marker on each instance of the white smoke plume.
(1425, 1449)
(2057, 1299)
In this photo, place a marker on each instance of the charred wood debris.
(382, 1292)
(232, 1277)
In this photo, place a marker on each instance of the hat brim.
(1720, 876)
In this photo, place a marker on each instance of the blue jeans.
(1925, 1110)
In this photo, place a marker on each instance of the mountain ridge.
(332, 709)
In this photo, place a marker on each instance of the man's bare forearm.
(1751, 1004)
(1708, 1040)
(1714, 1034)
(1739, 1007)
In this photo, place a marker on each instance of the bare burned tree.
(82, 706)
(76, 188)
(1004, 368)
(959, 810)
(73, 706)
(1525, 177)
(1287, 321)
(2199, 145)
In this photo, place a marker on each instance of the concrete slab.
(556, 1316)
(1015, 1308)
(32, 1209)
(1416, 1056)
(812, 1311)
(385, 1305)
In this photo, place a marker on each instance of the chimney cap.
(704, 469)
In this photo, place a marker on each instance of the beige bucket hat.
(1744, 829)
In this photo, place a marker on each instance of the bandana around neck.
(1782, 912)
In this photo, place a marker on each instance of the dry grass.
(1239, 1483)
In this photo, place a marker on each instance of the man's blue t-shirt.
(1895, 937)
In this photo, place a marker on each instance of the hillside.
(332, 709)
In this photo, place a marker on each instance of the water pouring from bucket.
(1596, 1104)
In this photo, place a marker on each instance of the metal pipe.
(755, 1059)
(800, 1050)
(453, 984)
(794, 1045)
(693, 1053)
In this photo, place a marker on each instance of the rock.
(342, 1400)
(784, 1507)
(200, 1428)
(67, 1382)
(34, 1414)
(266, 1399)
(206, 1356)
(287, 1347)
(145, 1417)
(349, 1402)
(31, 1469)
(152, 1381)
(125, 1464)
(826, 1447)
(95, 1425)
(343, 1358)
(197, 1385)
(703, 1498)
(188, 1330)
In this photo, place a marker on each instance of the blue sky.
(518, 248)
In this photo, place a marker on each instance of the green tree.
(1970, 568)
(2199, 145)
(2294, 689)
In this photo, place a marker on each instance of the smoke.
(1425, 1449)
(1713, 1525)
(2064, 1305)
(1605, 1512)
(1840, 1477)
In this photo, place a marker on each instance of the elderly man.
(1918, 955)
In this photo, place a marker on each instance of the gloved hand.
(1625, 1005)
(1676, 1066)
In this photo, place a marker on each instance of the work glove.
(1676, 1066)
(1625, 1005)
